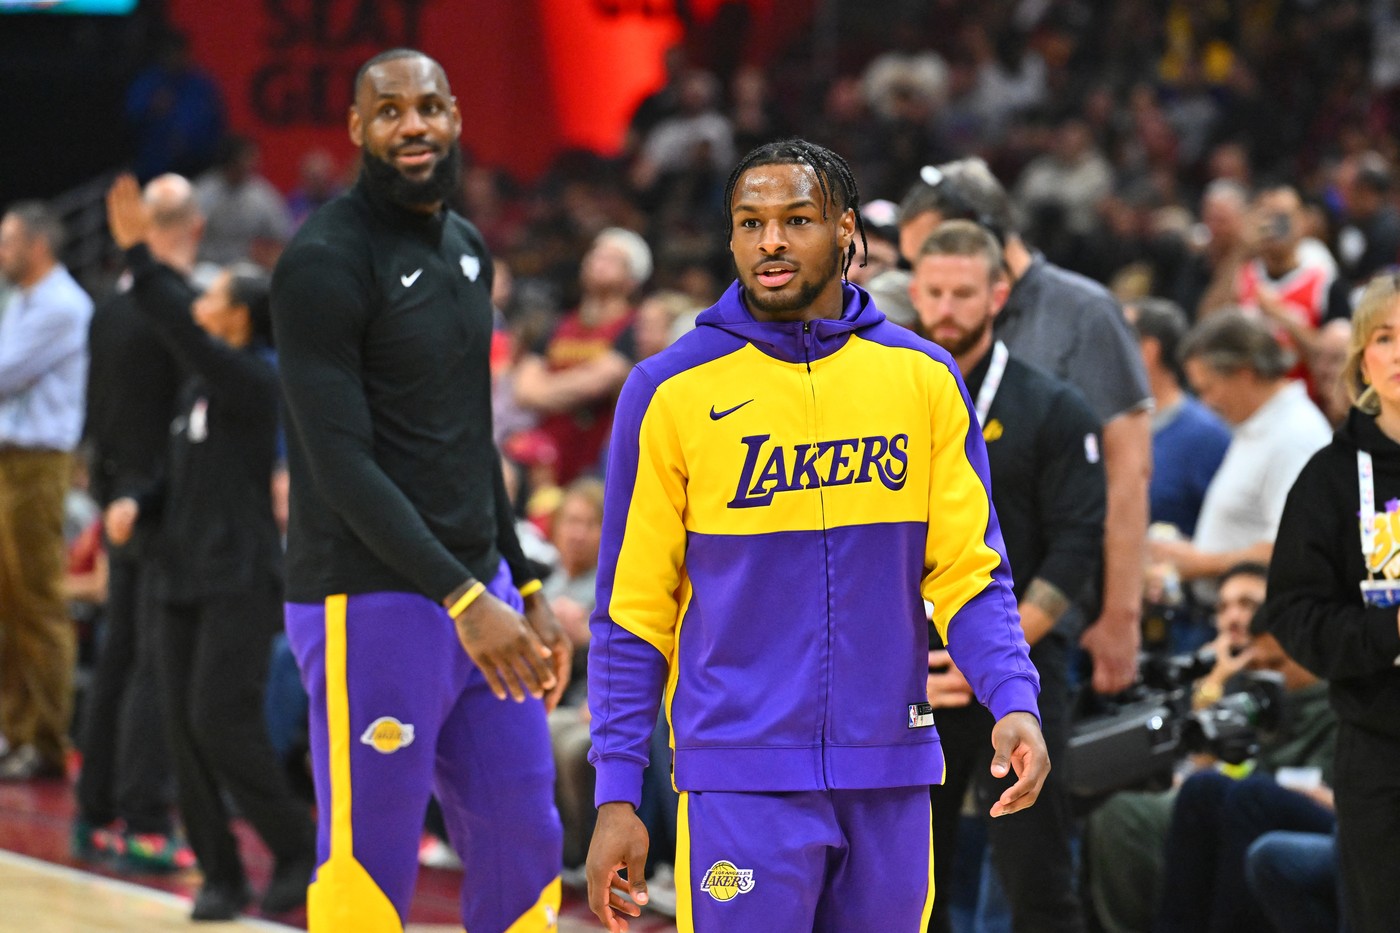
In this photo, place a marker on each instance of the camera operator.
(1125, 837)
(1334, 593)
(1216, 817)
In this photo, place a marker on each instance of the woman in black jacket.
(1334, 604)
(219, 569)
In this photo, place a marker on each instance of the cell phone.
(1276, 226)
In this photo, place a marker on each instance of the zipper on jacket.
(826, 557)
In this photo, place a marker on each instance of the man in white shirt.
(1238, 367)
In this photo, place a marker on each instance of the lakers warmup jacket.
(781, 499)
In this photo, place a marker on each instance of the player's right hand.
(619, 841)
(505, 648)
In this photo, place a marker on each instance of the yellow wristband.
(531, 588)
(469, 597)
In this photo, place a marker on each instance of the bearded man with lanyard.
(1048, 488)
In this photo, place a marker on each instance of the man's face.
(14, 249)
(605, 269)
(956, 300)
(913, 233)
(406, 123)
(1219, 391)
(787, 255)
(1239, 598)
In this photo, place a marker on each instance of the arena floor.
(43, 890)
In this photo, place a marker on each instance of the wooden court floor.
(42, 890)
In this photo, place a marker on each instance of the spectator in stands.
(1125, 837)
(1072, 328)
(1289, 275)
(572, 376)
(220, 560)
(1368, 227)
(43, 375)
(698, 137)
(1206, 283)
(661, 318)
(318, 181)
(1188, 439)
(246, 217)
(132, 386)
(176, 113)
(1332, 603)
(1238, 367)
(1061, 190)
(1329, 356)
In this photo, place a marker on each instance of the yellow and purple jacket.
(781, 498)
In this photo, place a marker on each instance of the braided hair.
(833, 175)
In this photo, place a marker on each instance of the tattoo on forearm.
(1047, 598)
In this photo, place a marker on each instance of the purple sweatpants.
(845, 861)
(398, 711)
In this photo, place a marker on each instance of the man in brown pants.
(43, 372)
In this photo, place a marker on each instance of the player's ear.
(356, 126)
(846, 228)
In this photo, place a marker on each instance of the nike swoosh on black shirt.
(716, 415)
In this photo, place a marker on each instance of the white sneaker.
(434, 853)
(661, 891)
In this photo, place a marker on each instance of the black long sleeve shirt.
(217, 532)
(132, 384)
(383, 325)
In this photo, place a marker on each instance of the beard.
(386, 180)
(789, 302)
(965, 341)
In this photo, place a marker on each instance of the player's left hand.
(505, 649)
(551, 634)
(1018, 743)
(128, 217)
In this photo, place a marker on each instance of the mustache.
(428, 144)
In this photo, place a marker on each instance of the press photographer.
(1190, 839)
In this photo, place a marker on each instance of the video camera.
(1134, 740)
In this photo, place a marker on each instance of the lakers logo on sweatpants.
(724, 881)
(387, 735)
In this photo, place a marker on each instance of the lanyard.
(995, 370)
(1365, 477)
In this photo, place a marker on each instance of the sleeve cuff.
(619, 780)
(1015, 695)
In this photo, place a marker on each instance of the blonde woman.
(1334, 604)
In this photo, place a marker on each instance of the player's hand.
(946, 684)
(506, 649)
(1113, 644)
(128, 217)
(1019, 745)
(619, 841)
(120, 519)
(551, 634)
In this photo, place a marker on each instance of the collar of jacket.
(789, 341)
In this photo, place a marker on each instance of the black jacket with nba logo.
(383, 320)
(217, 532)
